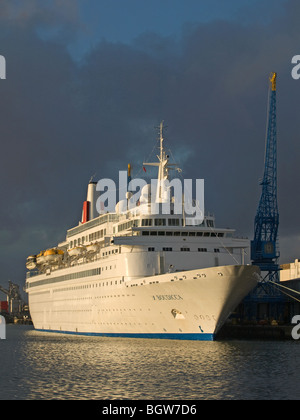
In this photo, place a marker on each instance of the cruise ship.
(133, 272)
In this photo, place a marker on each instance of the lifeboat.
(53, 255)
(91, 248)
(31, 262)
(76, 251)
(40, 259)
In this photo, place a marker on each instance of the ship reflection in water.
(39, 365)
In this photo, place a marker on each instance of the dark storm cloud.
(62, 122)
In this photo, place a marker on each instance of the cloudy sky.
(89, 80)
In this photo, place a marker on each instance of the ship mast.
(163, 173)
(163, 168)
(161, 139)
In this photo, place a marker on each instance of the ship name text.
(167, 297)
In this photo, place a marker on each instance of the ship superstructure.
(136, 273)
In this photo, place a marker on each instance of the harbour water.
(43, 366)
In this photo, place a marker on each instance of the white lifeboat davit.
(76, 251)
(40, 259)
(91, 248)
(31, 262)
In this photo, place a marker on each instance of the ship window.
(184, 234)
(220, 235)
(202, 249)
(173, 222)
(168, 233)
(146, 222)
(184, 249)
(160, 222)
(216, 250)
(153, 233)
(151, 249)
(206, 234)
(161, 233)
(176, 233)
(168, 249)
(145, 233)
(192, 233)
(199, 233)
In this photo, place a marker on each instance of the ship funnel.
(129, 173)
(89, 211)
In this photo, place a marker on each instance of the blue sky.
(125, 20)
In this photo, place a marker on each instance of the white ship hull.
(183, 305)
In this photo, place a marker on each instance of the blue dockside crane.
(264, 247)
(265, 300)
